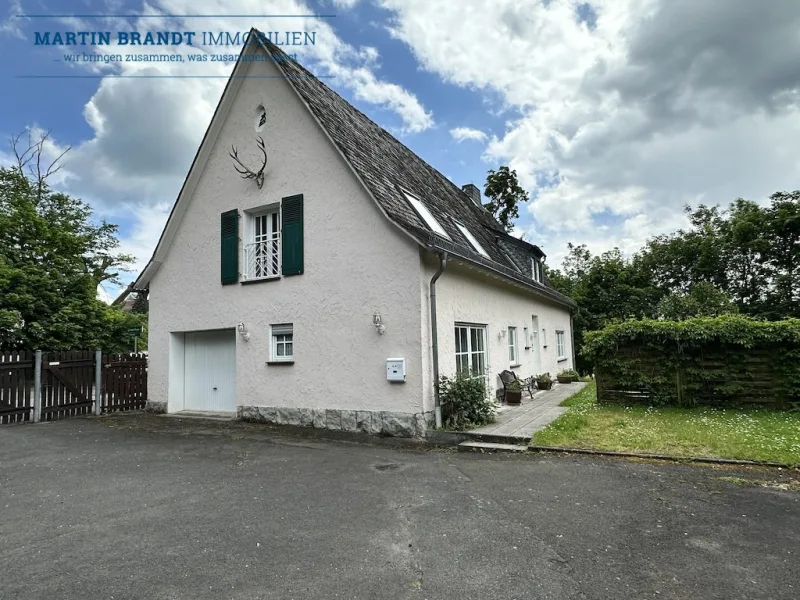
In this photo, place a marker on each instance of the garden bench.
(507, 377)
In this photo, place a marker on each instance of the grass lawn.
(687, 432)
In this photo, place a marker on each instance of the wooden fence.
(124, 384)
(16, 385)
(714, 375)
(54, 385)
(67, 384)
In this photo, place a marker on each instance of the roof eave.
(434, 243)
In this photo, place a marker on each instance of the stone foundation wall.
(364, 421)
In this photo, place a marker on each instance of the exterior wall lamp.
(243, 332)
(378, 322)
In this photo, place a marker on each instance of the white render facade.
(466, 297)
(303, 349)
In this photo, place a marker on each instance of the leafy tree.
(505, 194)
(679, 260)
(750, 253)
(783, 255)
(702, 300)
(608, 289)
(117, 336)
(141, 304)
(52, 258)
(746, 244)
(745, 258)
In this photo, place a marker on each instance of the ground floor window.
(282, 342)
(561, 346)
(471, 349)
(513, 351)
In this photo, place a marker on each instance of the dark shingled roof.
(384, 164)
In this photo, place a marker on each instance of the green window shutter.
(230, 247)
(292, 234)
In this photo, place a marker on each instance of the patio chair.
(508, 376)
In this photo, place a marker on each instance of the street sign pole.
(135, 332)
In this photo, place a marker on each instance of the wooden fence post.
(98, 381)
(37, 386)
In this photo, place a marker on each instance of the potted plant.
(567, 376)
(514, 392)
(544, 381)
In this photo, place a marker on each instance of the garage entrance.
(210, 371)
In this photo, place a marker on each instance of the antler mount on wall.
(244, 170)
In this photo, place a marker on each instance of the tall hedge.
(723, 361)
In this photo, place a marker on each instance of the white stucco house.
(335, 293)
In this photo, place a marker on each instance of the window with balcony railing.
(262, 255)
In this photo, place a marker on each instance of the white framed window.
(426, 215)
(471, 239)
(561, 346)
(537, 271)
(513, 346)
(262, 248)
(471, 349)
(282, 342)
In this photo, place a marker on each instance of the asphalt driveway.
(147, 507)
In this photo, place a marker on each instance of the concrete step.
(208, 415)
(490, 447)
(495, 438)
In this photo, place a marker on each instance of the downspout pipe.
(572, 336)
(437, 406)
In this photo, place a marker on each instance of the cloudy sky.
(614, 113)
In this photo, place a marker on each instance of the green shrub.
(569, 373)
(465, 401)
(544, 378)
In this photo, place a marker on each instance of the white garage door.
(210, 371)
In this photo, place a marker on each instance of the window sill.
(275, 363)
(515, 365)
(562, 359)
(260, 280)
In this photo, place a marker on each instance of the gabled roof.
(387, 168)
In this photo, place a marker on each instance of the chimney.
(473, 192)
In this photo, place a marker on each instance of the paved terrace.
(520, 422)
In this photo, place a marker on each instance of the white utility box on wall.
(396, 369)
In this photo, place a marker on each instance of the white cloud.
(104, 295)
(467, 133)
(347, 4)
(368, 88)
(629, 115)
(12, 25)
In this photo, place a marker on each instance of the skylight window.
(471, 239)
(537, 273)
(426, 216)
